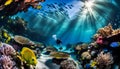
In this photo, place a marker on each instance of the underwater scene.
(59, 34)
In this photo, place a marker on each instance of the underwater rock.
(104, 60)
(6, 49)
(113, 38)
(6, 62)
(11, 7)
(68, 64)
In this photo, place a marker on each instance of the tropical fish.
(115, 44)
(8, 2)
(39, 7)
(93, 63)
(87, 66)
(29, 56)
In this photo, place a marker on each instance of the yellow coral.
(8, 2)
(7, 36)
(28, 56)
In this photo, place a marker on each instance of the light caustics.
(88, 8)
(91, 16)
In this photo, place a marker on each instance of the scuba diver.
(58, 41)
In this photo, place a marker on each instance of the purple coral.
(6, 62)
(6, 49)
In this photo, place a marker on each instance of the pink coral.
(6, 62)
(6, 49)
(99, 40)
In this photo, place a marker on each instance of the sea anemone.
(104, 60)
(68, 64)
(6, 62)
(7, 49)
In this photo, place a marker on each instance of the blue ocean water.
(69, 24)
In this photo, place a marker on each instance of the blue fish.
(115, 44)
(88, 66)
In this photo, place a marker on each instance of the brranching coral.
(104, 60)
(6, 62)
(68, 64)
(7, 49)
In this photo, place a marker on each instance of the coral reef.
(86, 55)
(6, 62)
(104, 60)
(68, 64)
(6, 49)
(106, 31)
(101, 53)
(11, 7)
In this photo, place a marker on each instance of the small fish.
(39, 7)
(93, 63)
(115, 44)
(29, 56)
(87, 66)
(8, 2)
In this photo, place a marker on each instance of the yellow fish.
(8, 2)
(93, 63)
(29, 56)
(39, 7)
